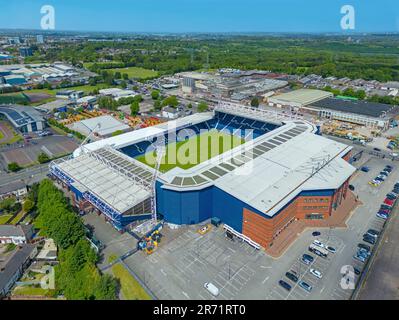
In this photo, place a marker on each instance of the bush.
(14, 167)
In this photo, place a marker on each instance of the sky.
(202, 15)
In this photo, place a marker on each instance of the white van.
(211, 288)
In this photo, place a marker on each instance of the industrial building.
(103, 126)
(370, 114)
(298, 98)
(286, 172)
(25, 119)
(237, 85)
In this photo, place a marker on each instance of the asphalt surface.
(382, 282)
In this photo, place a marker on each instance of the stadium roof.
(300, 98)
(20, 115)
(272, 180)
(133, 137)
(121, 189)
(266, 173)
(361, 107)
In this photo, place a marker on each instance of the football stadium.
(255, 170)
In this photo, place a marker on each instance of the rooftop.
(20, 115)
(361, 107)
(108, 125)
(300, 97)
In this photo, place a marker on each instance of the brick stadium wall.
(264, 230)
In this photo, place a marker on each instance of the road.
(29, 175)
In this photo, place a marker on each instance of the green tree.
(170, 101)
(43, 158)
(7, 204)
(202, 107)
(155, 94)
(14, 167)
(134, 108)
(117, 75)
(28, 205)
(125, 76)
(255, 102)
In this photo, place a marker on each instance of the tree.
(134, 108)
(7, 204)
(255, 102)
(155, 94)
(202, 107)
(14, 167)
(43, 158)
(28, 205)
(170, 101)
(125, 76)
(117, 75)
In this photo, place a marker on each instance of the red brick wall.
(263, 230)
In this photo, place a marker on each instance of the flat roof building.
(361, 112)
(25, 119)
(103, 126)
(299, 98)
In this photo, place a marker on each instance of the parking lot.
(26, 153)
(186, 260)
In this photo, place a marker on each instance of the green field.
(13, 98)
(189, 153)
(130, 288)
(4, 218)
(134, 72)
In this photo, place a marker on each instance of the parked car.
(331, 249)
(211, 288)
(369, 239)
(373, 233)
(305, 286)
(359, 258)
(389, 202)
(291, 276)
(382, 216)
(318, 243)
(363, 252)
(307, 259)
(377, 149)
(390, 196)
(364, 246)
(285, 285)
(385, 207)
(316, 273)
(316, 233)
(365, 169)
(384, 173)
(357, 271)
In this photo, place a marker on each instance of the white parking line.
(267, 278)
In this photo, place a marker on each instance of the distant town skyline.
(180, 16)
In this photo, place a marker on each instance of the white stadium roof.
(266, 173)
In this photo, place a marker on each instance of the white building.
(15, 234)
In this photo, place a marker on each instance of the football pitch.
(187, 154)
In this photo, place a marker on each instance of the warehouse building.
(25, 119)
(285, 173)
(298, 98)
(370, 114)
(103, 126)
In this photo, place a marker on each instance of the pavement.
(382, 282)
(185, 260)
